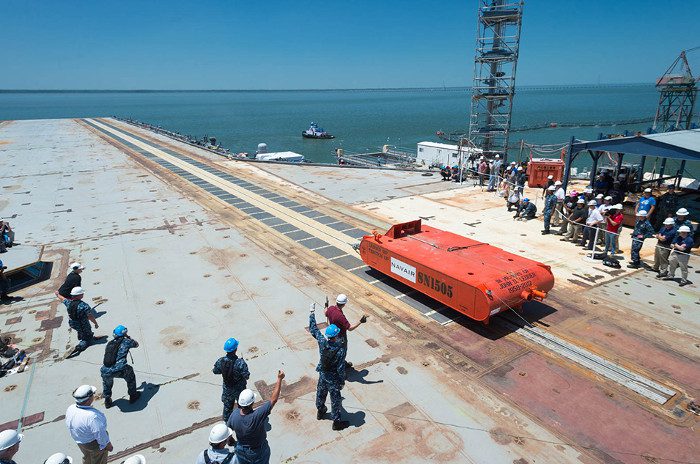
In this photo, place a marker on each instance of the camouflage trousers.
(85, 335)
(229, 396)
(329, 383)
(108, 376)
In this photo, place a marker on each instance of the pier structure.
(495, 63)
(678, 91)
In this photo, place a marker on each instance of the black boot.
(340, 425)
(321, 412)
(135, 397)
(108, 402)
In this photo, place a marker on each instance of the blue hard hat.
(526, 199)
(231, 345)
(119, 330)
(332, 331)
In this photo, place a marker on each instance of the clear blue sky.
(271, 44)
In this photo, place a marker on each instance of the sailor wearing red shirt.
(334, 315)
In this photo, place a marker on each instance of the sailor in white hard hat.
(593, 220)
(9, 445)
(494, 173)
(646, 203)
(642, 230)
(550, 205)
(220, 438)
(59, 458)
(80, 314)
(135, 459)
(73, 279)
(549, 183)
(88, 426)
(681, 218)
(680, 254)
(613, 220)
(335, 315)
(665, 236)
(576, 220)
(249, 424)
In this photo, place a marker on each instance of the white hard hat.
(551, 187)
(76, 266)
(642, 213)
(682, 212)
(608, 197)
(9, 438)
(592, 203)
(600, 195)
(587, 190)
(647, 190)
(684, 229)
(136, 459)
(498, 156)
(550, 177)
(77, 291)
(220, 432)
(342, 299)
(558, 182)
(512, 162)
(520, 168)
(84, 393)
(59, 458)
(617, 206)
(669, 221)
(246, 398)
(581, 201)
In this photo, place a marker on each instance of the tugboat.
(315, 132)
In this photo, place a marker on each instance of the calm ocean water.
(362, 120)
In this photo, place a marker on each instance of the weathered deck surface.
(187, 249)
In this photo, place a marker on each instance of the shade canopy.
(681, 145)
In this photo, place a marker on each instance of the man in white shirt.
(560, 193)
(594, 218)
(88, 426)
(606, 205)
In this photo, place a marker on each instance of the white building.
(433, 153)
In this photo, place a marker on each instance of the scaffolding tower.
(497, 45)
(678, 90)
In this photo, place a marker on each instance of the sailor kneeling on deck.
(526, 210)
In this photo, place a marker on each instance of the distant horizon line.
(358, 89)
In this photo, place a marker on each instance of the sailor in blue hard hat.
(115, 365)
(526, 210)
(331, 370)
(235, 374)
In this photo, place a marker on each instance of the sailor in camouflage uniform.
(331, 370)
(550, 204)
(80, 315)
(642, 229)
(115, 365)
(234, 371)
(668, 203)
